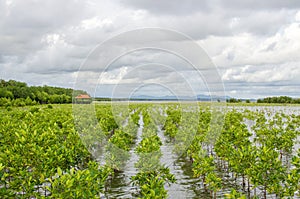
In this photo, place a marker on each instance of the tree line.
(273, 100)
(234, 100)
(280, 100)
(14, 93)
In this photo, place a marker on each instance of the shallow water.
(186, 185)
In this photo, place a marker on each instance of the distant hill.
(212, 98)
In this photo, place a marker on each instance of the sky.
(246, 49)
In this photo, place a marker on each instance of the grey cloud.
(174, 7)
(147, 46)
(149, 71)
(219, 19)
(48, 15)
(271, 46)
(26, 22)
(189, 7)
(259, 5)
(263, 22)
(57, 59)
(214, 17)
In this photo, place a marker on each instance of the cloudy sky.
(253, 46)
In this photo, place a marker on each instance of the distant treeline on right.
(280, 100)
(270, 100)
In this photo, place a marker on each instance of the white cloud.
(249, 49)
(297, 17)
(114, 76)
(270, 73)
(96, 22)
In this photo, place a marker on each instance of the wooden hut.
(83, 99)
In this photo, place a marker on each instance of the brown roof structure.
(83, 97)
